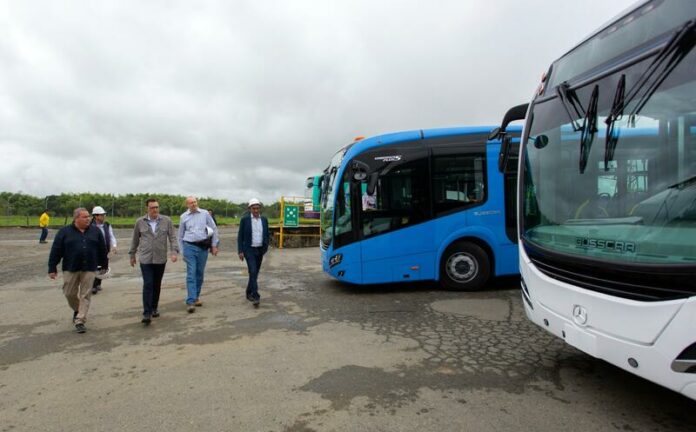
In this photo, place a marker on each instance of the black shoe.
(155, 314)
(146, 320)
(94, 290)
(80, 328)
(191, 308)
(74, 316)
(256, 302)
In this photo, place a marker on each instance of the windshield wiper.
(589, 128)
(617, 109)
(682, 184)
(569, 99)
(681, 43)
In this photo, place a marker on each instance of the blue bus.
(420, 205)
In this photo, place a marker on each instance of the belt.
(201, 244)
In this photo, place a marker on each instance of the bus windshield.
(615, 179)
(327, 197)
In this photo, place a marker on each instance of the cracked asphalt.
(316, 356)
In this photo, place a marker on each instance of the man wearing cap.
(150, 236)
(98, 220)
(82, 249)
(252, 244)
(197, 234)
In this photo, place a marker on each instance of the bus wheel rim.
(462, 267)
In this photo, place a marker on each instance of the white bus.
(607, 195)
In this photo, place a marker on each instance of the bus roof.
(419, 134)
(647, 24)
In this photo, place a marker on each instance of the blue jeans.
(44, 234)
(195, 258)
(152, 283)
(254, 257)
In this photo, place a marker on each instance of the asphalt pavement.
(316, 355)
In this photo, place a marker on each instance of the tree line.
(128, 205)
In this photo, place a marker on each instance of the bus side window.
(458, 181)
(401, 195)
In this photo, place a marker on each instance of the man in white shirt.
(252, 244)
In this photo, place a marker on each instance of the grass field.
(122, 222)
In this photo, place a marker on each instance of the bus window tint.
(458, 182)
(401, 195)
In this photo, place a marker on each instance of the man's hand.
(214, 250)
(241, 256)
(53, 275)
(132, 261)
(173, 257)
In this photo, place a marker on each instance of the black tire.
(464, 267)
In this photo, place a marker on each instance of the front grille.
(644, 284)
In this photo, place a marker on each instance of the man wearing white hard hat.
(252, 244)
(99, 221)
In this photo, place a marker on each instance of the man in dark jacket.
(82, 249)
(252, 244)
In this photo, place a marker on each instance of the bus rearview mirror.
(359, 170)
(504, 154)
(541, 141)
(372, 185)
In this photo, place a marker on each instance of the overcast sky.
(234, 99)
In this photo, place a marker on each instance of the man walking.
(99, 220)
(44, 220)
(252, 244)
(150, 236)
(82, 249)
(197, 234)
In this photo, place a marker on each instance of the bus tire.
(464, 267)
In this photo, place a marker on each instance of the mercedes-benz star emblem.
(579, 315)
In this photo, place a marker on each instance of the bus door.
(345, 260)
(394, 202)
(498, 213)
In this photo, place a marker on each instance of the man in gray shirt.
(150, 236)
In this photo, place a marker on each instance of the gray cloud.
(234, 99)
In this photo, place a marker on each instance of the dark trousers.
(152, 283)
(44, 234)
(254, 257)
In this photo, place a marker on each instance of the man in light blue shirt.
(197, 234)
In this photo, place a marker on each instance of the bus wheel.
(464, 267)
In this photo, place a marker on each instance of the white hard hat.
(98, 210)
(209, 231)
(254, 201)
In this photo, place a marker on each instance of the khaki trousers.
(77, 287)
